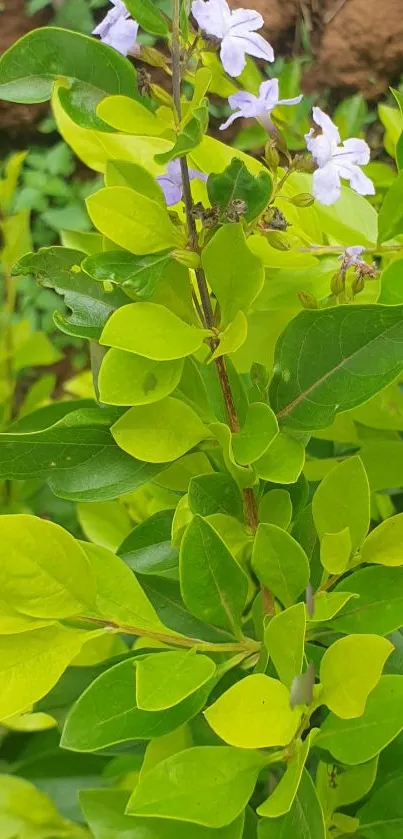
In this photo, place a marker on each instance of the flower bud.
(188, 258)
(161, 95)
(308, 301)
(277, 240)
(304, 164)
(305, 199)
(358, 285)
(271, 156)
(338, 283)
(153, 57)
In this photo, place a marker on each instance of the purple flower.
(236, 31)
(260, 106)
(336, 160)
(118, 29)
(171, 182)
(352, 257)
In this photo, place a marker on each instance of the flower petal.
(328, 127)
(248, 104)
(213, 16)
(269, 94)
(195, 174)
(358, 151)
(254, 44)
(358, 181)
(174, 172)
(122, 35)
(232, 56)
(320, 148)
(294, 101)
(173, 192)
(245, 20)
(326, 184)
(230, 120)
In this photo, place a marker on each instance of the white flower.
(336, 160)
(260, 106)
(236, 30)
(117, 28)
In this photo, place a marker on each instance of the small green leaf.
(148, 549)
(305, 820)
(282, 799)
(106, 523)
(130, 117)
(254, 713)
(283, 461)
(259, 430)
(135, 176)
(215, 492)
(350, 669)
(236, 183)
(328, 604)
(276, 508)
(280, 563)
(148, 16)
(206, 785)
(335, 551)
(314, 380)
(106, 713)
(214, 587)
(133, 221)
(378, 607)
(349, 784)
(153, 331)
(383, 545)
(46, 574)
(358, 740)
(284, 640)
(136, 275)
(160, 432)
(227, 274)
(166, 679)
(342, 500)
(189, 137)
(233, 336)
(382, 816)
(129, 379)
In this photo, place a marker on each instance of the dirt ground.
(355, 44)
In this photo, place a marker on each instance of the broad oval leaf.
(160, 432)
(378, 607)
(137, 275)
(284, 640)
(342, 500)
(153, 331)
(280, 563)
(350, 669)
(328, 361)
(129, 379)
(166, 679)
(383, 546)
(254, 713)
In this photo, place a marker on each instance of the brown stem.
(250, 508)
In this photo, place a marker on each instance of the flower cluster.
(237, 33)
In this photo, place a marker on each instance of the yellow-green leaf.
(166, 679)
(350, 670)
(235, 274)
(343, 500)
(384, 545)
(284, 639)
(159, 433)
(129, 379)
(281, 800)
(129, 116)
(153, 331)
(335, 551)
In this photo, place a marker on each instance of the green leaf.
(27, 811)
(227, 274)
(133, 221)
(128, 379)
(358, 740)
(350, 669)
(379, 605)
(153, 331)
(276, 508)
(335, 551)
(104, 522)
(314, 381)
(92, 70)
(208, 785)
(283, 797)
(137, 275)
(259, 430)
(77, 456)
(32, 663)
(106, 713)
(166, 598)
(342, 500)
(383, 545)
(120, 597)
(283, 461)
(166, 679)
(236, 183)
(254, 713)
(128, 173)
(280, 563)
(104, 811)
(382, 816)
(233, 337)
(215, 492)
(391, 292)
(391, 213)
(160, 432)
(214, 587)
(284, 640)
(46, 573)
(305, 820)
(147, 549)
(346, 785)
(148, 16)
(327, 605)
(59, 268)
(189, 137)
(130, 117)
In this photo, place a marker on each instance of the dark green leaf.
(137, 275)
(91, 306)
(379, 606)
(148, 16)
(215, 492)
(77, 455)
(92, 70)
(391, 212)
(305, 820)
(382, 816)
(107, 714)
(105, 813)
(328, 361)
(237, 184)
(166, 598)
(213, 585)
(147, 549)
